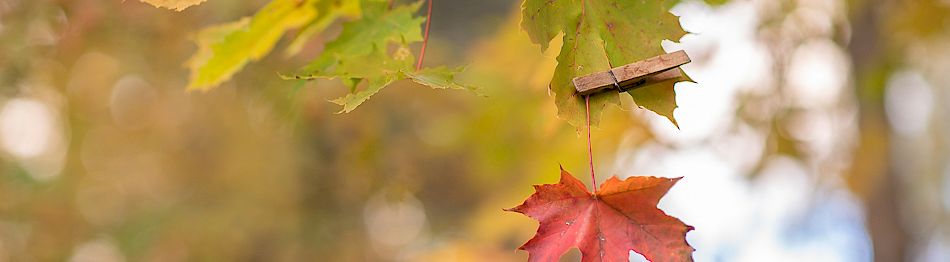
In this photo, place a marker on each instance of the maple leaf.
(361, 54)
(328, 11)
(619, 217)
(224, 49)
(599, 35)
(176, 5)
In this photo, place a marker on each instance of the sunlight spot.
(394, 221)
(30, 132)
(130, 102)
(99, 250)
(26, 127)
(908, 103)
(817, 74)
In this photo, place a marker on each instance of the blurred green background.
(818, 131)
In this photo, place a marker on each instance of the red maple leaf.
(619, 217)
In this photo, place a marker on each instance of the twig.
(425, 38)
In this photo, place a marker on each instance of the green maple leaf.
(599, 35)
(224, 49)
(328, 11)
(361, 54)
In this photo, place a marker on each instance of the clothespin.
(637, 74)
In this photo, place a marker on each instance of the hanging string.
(425, 38)
(590, 151)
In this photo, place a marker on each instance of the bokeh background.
(819, 130)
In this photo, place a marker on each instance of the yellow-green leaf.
(327, 12)
(223, 50)
(176, 5)
(439, 78)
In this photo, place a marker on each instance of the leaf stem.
(425, 38)
(590, 150)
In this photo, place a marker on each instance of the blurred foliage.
(879, 39)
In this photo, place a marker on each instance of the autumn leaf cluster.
(374, 50)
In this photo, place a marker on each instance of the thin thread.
(425, 38)
(590, 151)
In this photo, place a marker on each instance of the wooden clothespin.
(641, 73)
